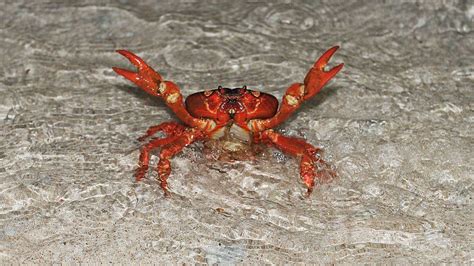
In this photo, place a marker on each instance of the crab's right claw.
(317, 77)
(145, 78)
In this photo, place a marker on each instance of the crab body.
(231, 109)
(234, 117)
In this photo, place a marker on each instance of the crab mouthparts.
(232, 107)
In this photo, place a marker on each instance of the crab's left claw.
(298, 93)
(317, 77)
(145, 78)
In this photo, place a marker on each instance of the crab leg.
(150, 81)
(297, 93)
(144, 159)
(172, 130)
(298, 147)
(164, 166)
(169, 128)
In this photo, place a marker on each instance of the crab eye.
(221, 90)
(255, 93)
(243, 90)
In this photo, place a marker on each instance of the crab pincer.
(146, 78)
(317, 77)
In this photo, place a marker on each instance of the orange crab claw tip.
(126, 73)
(119, 70)
(324, 59)
(332, 72)
(134, 59)
(336, 68)
(122, 52)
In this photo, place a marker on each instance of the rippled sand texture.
(397, 122)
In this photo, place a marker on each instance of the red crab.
(239, 114)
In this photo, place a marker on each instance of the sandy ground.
(396, 122)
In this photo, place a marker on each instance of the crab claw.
(146, 78)
(317, 77)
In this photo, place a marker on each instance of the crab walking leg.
(144, 159)
(150, 81)
(296, 147)
(172, 131)
(164, 166)
(297, 93)
(169, 128)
